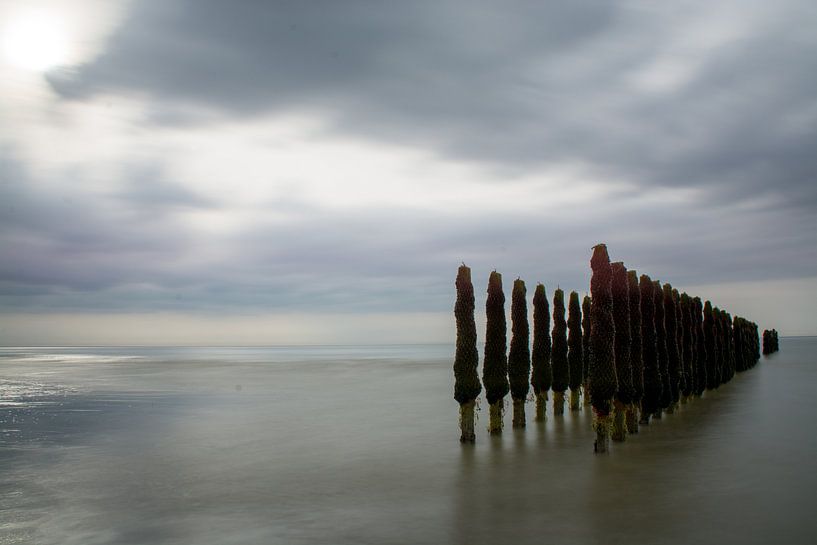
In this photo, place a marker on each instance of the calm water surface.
(359, 445)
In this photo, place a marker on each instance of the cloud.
(716, 98)
(143, 248)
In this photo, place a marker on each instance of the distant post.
(700, 347)
(710, 343)
(495, 365)
(636, 351)
(603, 384)
(466, 380)
(542, 374)
(674, 357)
(519, 355)
(651, 401)
(586, 348)
(688, 340)
(663, 356)
(574, 347)
(620, 288)
(561, 370)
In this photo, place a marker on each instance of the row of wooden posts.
(634, 347)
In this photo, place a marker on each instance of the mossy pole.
(711, 347)
(722, 331)
(636, 351)
(729, 341)
(561, 370)
(586, 302)
(620, 289)
(495, 364)
(771, 342)
(604, 384)
(740, 348)
(749, 343)
(651, 400)
(700, 347)
(574, 350)
(542, 374)
(466, 357)
(673, 356)
(679, 339)
(688, 342)
(746, 339)
(663, 355)
(720, 350)
(755, 344)
(752, 344)
(519, 355)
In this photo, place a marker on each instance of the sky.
(271, 172)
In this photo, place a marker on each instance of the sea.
(360, 445)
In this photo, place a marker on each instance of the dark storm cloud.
(514, 84)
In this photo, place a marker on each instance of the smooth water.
(359, 445)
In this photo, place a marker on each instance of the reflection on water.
(360, 445)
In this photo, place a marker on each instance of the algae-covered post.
(586, 348)
(755, 344)
(542, 375)
(720, 350)
(771, 342)
(620, 288)
(603, 384)
(651, 401)
(688, 342)
(775, 341)
(495, 362)
(663, 355)
(740, 345)
(561, 372)
(466, 357)
(519, 355)
(636, 351)
(729, 342)
(673, 356)
(711, 347)
(574, 347)
(700, 347)
(679, 339)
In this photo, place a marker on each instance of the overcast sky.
(201, 171)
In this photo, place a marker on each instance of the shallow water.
(360, 445)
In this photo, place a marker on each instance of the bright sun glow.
(35, 41)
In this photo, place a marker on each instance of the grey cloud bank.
(720, 97)
(697, 123)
